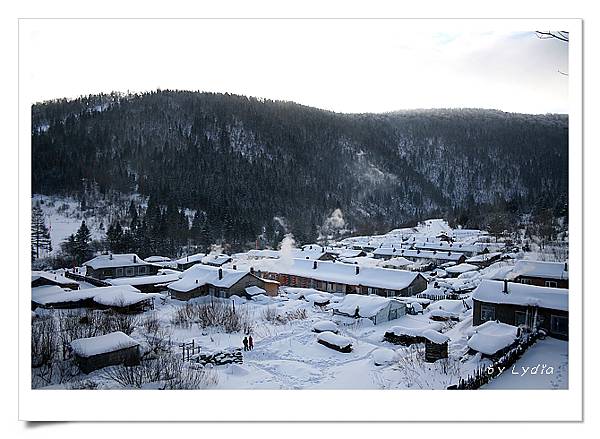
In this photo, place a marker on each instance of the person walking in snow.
(245, 343)
(250, 343)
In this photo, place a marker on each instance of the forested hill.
(243, 161)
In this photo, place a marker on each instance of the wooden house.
(516, 304)
(543, 274)
(203, 280)
(115, 266)
(338, 277)
(189, 261)
(106, 350)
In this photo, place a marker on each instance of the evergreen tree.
(114, 238)
(40, 235)
(78, 245)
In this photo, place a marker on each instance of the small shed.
(436, 345)
(375, 308)
(105, 350)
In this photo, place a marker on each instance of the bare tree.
(558, 35)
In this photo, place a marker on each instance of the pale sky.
(339, 65)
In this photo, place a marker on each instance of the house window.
(488, 312)
(410, 291)
(526, 281)
(559, 325)
(141, 270)
(551, 283)
(119, 272)
(520, 318)
(130, 271)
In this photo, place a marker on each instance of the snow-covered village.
(371, 230)
(427, 306)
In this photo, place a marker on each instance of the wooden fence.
(483, 375)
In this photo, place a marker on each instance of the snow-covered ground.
(287, 356)
(545, 365)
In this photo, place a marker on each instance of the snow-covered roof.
(120, 296)
(191, 258)
(254, 290)
(216, 260)
(461, 268)
(548, 270)
(88, 347)
(53, 294)
(318, 298)
(368, 306)
(492, 291)
(434, 336)
(346, 274)
(363, 261)
(492, 336)
(454, 306)
(484, 257)
(425, 254)
(43, 294)
(499, 271)
(414, 327)
(259, 254)
(334, 339)
(346, 253)
(152, 259)
(110, 261)
(56, 278)
(300, 293)
(325, 325)
(199, 275)
(396, 262)
(448, 246)
(145, 280)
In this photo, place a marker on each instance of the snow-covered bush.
(214, 314)
(156, 336)
(272, 316)
(167, 372)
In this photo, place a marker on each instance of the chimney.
(110, 256)
(252, 270)
(196, 280)
(187, 259)
(220, 273)
(134, 259)
(566, 266)
(235, 267)
(357, 269)
(505, 290)
(314, 265)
